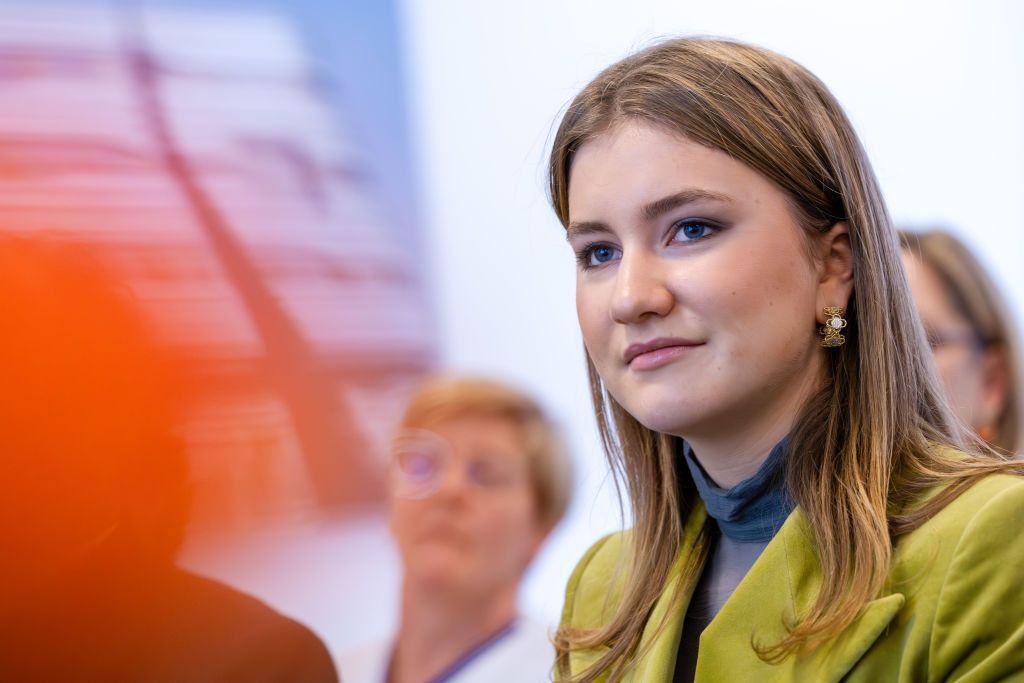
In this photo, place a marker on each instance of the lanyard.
(466, 659)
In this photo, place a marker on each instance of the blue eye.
(596, 255)
(691, 231)
(602, 254)
(694, 232)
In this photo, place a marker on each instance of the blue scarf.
(755, 509)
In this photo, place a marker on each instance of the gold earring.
(830, 331)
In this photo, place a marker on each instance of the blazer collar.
(781, 584)
(658, 663)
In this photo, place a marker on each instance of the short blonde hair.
(444, 397)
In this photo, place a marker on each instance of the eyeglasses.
(938, 339)
(421, 460)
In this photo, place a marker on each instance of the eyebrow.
(650, 211)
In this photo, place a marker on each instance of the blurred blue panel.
(246, 168)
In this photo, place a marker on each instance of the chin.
(665, 411)
(439, 556)
(441, 576)
(674, 425)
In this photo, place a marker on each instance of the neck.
(437, 628)
(732, 452)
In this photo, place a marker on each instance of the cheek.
(507, 529)
(402, 522)
(959, 373)
(763, 302)
(592, 313)
(411, 520)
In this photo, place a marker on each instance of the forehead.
(931, 296)
(497, 434)
(634, 163)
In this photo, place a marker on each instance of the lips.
(663, 343)
(443, 533)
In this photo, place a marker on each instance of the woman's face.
(463, 511)
(974, 376)
(682, 247)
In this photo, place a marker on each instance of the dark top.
(122, 617)
(747, 517)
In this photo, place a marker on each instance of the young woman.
(971, 333)
(804, 508)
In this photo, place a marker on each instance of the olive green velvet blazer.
(952, 609)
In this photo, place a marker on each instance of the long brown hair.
(975, 296)
(871, 440)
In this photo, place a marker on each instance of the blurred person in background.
(478, 480)
(95, 498)
(972, 335)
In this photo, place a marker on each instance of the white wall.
(935, 89)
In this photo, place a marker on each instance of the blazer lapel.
(657, 665)
(782, 584)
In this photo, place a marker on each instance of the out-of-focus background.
(318, 202)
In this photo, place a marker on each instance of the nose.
(452, 485)
(641, 291)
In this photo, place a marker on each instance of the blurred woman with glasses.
(478, 478)
(971, 333)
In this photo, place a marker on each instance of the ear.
(835, 269)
